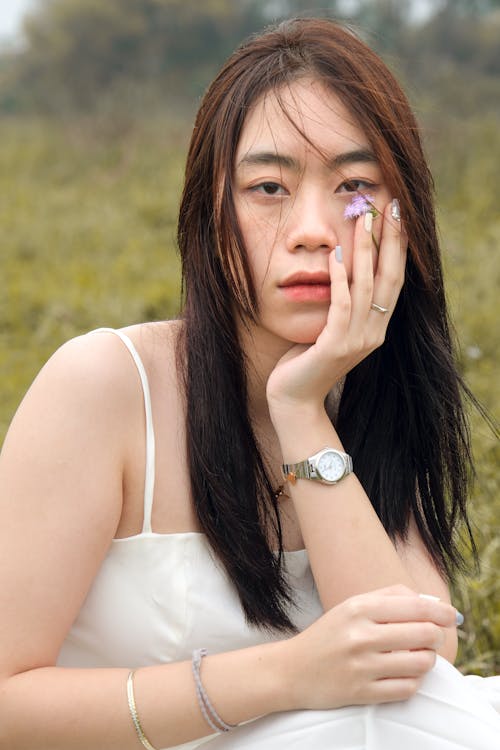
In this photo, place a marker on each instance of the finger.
(398, 664)
(393, 609)
(408, 636)
(391, 690)
(389, 276)
(340, 299)
(362, 281)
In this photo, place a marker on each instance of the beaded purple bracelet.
(209, 713)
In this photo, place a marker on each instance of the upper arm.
(60, 496)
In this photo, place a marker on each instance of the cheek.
(258, 231)
(258, 255)
(260, 242)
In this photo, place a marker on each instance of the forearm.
(349, 550)
(53, 708)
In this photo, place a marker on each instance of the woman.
(314, 318)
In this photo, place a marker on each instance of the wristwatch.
(328, 466)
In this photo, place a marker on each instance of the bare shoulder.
(97, 361)
(61, 489)
(72, 418)
(75, 423)
(85, 365)
(156, 343)
(97, 366)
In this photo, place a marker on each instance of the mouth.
(307, 287)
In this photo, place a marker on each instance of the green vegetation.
(88, 227)
(89, 202)
(470, 228)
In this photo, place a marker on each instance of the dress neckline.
(179, 535)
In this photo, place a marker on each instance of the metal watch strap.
(301, 470)
(306, 469)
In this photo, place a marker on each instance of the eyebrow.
(256, 158)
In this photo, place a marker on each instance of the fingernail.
(338, 253)
(368, 221)
(459, 619)
(395, 210)
(429, 596)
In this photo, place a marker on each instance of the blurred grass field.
(87, 226)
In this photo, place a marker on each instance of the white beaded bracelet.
(209, 713)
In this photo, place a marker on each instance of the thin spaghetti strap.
(149, 481)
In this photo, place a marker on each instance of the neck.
(262, 351)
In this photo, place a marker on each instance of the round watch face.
(331, 466)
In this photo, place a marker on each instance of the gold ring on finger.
(379, 308)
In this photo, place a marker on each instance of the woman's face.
(290, 198)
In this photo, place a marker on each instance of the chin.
(298, 330)
(304, 339)
(307, 335)
(305, 328)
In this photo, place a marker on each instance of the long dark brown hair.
(401, 415)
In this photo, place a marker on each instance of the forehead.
(277, 121)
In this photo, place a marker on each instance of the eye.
(355, 186)
(269, 188)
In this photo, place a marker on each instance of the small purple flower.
(360, 205)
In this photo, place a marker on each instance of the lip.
(302, 278)
(305, 286)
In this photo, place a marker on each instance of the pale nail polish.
(395, 210)
(338, 253)
(368, 221)
(458, 617)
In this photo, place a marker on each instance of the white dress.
(157, 597)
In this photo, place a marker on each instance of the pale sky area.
(11, 13)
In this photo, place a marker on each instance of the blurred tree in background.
(79, 53)
(95, 110)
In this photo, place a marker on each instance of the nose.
(310, 225)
